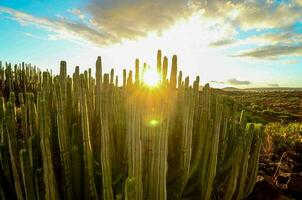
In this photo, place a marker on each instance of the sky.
(251, 43)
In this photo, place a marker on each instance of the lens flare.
(153, 122)
(151, 78)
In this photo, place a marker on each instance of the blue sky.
(228, 43)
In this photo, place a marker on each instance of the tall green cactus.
(106, 161)
(165, 69)
(50, 183)
(27, 175)
(137, 72)
(90, 189)
(63, 137)
(173, 72)
(134, 153)
(13, 144)
(159, 62)
(85, 137)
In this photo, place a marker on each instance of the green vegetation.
(81, 137)
(269, 106)
(280, 138)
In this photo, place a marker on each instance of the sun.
(151, 78)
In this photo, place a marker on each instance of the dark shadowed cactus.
(39, 184)
(137, 72)
(159, 62)
(13, 144)
(124, 77)
(77, 184)
(90, 189)
(106, 161)
(165, 69)
(129, 79)
(179, 81)
(254, 159)
(50, 183)
(3, 137)
(34, 152)
(247, 143)
(111, 76)
(27, 175)
(116, 81)
(98, 71)
(4, 151)
(63, 69)
(98, 101)
(173, 72)
(63, 138)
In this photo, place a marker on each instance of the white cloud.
(77, 13)
(112, 22)
(131, 19)
(255, 14)
(63, 28)
(290, 62)
(272, 51)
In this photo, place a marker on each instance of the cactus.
(124, 77)
(64, 144)
(186, 115)
(173, 72)
(82, 137)
(13, 144)
(27, 174)
(137, 80)
(39, 184)
(134, 153)
(63, 70)
(90, 189)
(159, 62)
(165, 69)
(106, 145)
(50, 183)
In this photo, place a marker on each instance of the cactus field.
(87, 136)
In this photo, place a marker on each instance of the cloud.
(234, 81)
(273, 85)
(28, 34)
(273, 51)
(63, 28)
(218, 82)
(274, 38)
(77, 13)
(136, 18)
(298, 2)
(133, 18)
(290, 62)
(256, 14)
(111, 21)
(221, 43)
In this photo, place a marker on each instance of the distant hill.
(231, 89)
(264, 89)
